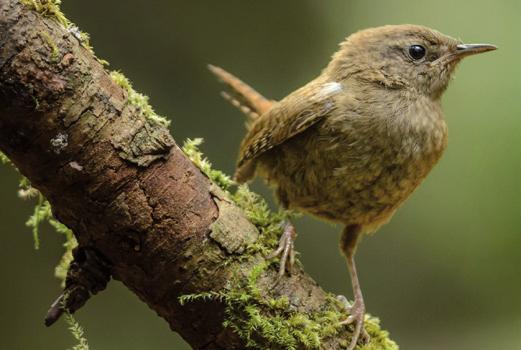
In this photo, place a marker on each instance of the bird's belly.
(340, 185)
(341, 198)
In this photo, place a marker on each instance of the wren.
(351, 145)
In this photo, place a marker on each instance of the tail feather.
(241, 106)
(242, 96)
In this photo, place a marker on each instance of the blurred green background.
(444, 274)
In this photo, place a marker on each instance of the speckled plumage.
(354, 143)
(354, 169)
(354, 155)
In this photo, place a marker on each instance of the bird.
(351, 145)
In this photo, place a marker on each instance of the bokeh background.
(444, 274)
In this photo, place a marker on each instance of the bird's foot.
(286, 248)
(356, 317)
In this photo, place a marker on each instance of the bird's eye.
(417, 52)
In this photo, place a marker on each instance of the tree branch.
(139, 208)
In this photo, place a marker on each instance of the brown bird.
(353, 144)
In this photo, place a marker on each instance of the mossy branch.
(178, 233)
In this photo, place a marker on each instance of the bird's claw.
(356, 317)
(286, 248)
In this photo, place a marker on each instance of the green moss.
(379, 338)
(55, 52)
(138, 100)
(4, 160)
(77, 332)
(191, 149)
(264, 321)
(60, 271)
(51, 9)
(48, 8)
(82, 37)
(269, 223)
(42, 213)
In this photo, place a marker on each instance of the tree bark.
(129, 193)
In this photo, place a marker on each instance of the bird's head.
(402, 57)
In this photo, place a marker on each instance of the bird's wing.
(289, 117)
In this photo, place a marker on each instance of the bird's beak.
(463, 50)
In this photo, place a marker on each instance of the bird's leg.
(285, 248)
(348, 244)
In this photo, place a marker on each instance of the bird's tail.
(242, 96)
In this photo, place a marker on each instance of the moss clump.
(51, 9)
(48, 8)
(269, 223)
(43, 213)
(138, 100)
(60, 271)
(379, 338)
(191, 149)
(4, 160)
(270, 322)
